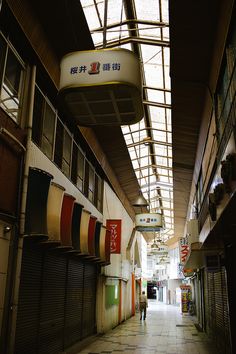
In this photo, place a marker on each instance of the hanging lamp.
(140, 201)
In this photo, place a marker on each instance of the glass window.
(223, 99)
(48, 131)
(12, 76)
(59, 144)
(44, 117)
(98, 192)
(77, 173)
(80, 173)
(91, 186)
(37, 117)
(56, 141)
(66, 157)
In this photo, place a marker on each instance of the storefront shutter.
(218, 314)
(29, 300)
(52, 304)
(74, 304)
(57, 300)
(89, 300)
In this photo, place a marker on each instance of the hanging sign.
(183, 249)
(148, 222)
(115, 228)
(100, 66)
(102, 87)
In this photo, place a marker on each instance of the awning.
(199, 255)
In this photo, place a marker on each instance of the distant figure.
(143, 304)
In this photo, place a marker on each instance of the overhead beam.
(134, 39)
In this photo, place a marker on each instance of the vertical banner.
(115, 228)
(183, 249)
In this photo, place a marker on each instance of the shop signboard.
(114, 226)
(148, 222)
(183, 249)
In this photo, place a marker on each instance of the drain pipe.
(28, 148)
(27, 112)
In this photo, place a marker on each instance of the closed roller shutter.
(74, 298)
(219, 308)
(89, 300)
(218, 314)
(29, 300)
(52, 304)
(57, 301)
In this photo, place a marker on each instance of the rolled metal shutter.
(74, 302)
(51, 324)
(218, 314)
(57, 301)
(89, 300)
(29, 300)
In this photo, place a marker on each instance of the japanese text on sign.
(115, 228)
(94, 68)
(184, 250)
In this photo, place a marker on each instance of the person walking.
(143, 304)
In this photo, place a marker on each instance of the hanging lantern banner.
(148, 222)
(115, 228)
(183, 249)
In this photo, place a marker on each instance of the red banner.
(115, 228)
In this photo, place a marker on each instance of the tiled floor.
(165, 331)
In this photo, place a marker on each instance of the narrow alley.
(165, 330)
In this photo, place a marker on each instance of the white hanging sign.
(100, 67)
(148, 222)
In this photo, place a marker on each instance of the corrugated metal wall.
(57, 301)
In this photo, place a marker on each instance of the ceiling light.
(140, 201)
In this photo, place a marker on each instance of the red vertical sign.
(115, 228)
(184, 249)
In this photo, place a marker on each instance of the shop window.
(44, 118)
(12, 72)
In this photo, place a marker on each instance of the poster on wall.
(115, 228)
(185, 298)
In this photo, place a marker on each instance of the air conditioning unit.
(192, 231)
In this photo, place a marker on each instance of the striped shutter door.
(74, 302)
(52, 304)
(218, 314)
(89, 300)
(29, 300)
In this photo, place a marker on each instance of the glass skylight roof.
(142, 26)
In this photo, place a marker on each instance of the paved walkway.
(165, 330)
